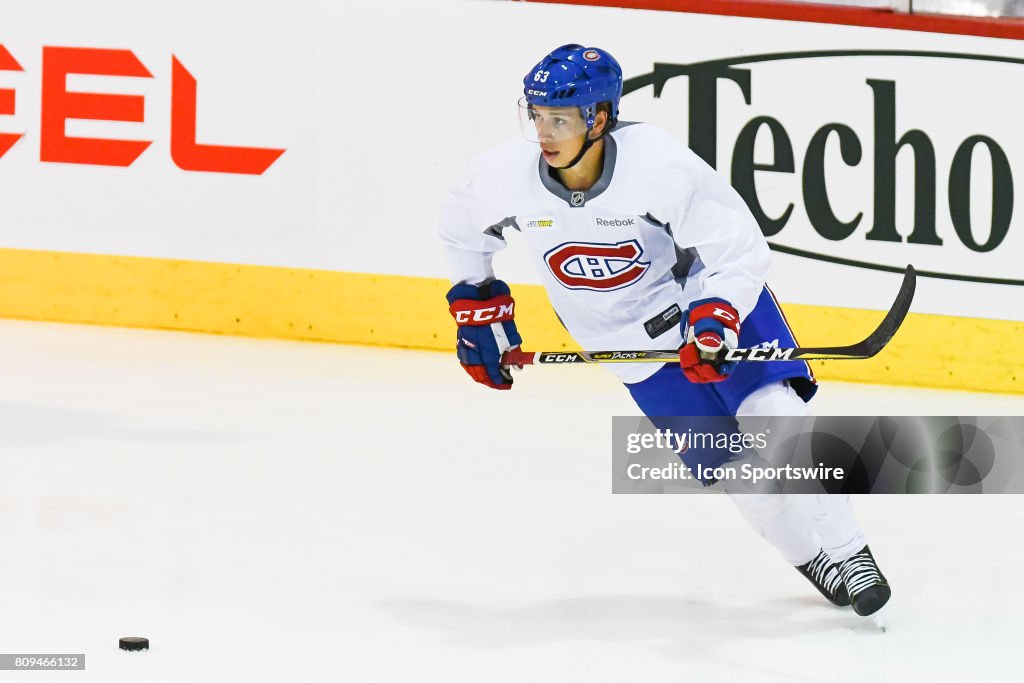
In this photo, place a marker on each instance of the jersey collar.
(576, 198)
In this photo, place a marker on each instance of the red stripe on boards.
(1011, 28)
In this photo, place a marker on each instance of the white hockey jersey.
(622, 260)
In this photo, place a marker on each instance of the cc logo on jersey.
(597, 267)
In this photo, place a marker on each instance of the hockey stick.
(867, 348)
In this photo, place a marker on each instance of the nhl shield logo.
(577, 199)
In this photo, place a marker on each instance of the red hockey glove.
(487, 329)
(711, 327)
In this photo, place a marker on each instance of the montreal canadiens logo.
(597, 267)
(591, 55)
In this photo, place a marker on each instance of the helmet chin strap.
(587, 144)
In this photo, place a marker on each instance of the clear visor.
(550, 124)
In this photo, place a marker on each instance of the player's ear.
(600, 124)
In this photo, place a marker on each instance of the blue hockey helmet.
(575, 76)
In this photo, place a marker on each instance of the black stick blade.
(877, 340)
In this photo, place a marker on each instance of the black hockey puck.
(133, 644)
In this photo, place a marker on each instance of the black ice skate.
(869, 591)
(826, 578)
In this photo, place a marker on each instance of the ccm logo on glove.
(709, 342)
(467, 313)
(724, 315)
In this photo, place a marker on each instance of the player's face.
(559, 130)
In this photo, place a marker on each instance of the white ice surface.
(274, 511)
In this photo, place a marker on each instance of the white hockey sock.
(782, 520)
(836, 525)
(798, 525)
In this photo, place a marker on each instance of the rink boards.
(393, 310)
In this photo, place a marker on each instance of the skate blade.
(879, 619)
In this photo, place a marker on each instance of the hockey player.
(637, 240)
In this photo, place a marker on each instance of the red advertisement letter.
(7, 63)
(189, 155)
(59, 105)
